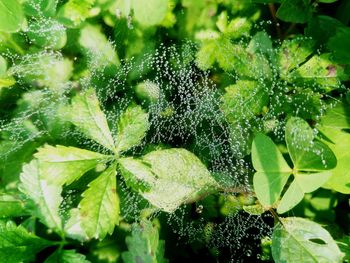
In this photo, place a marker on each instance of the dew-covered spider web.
(189, 107)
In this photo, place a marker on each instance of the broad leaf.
(144, 245)
(63, 165)
(150, 12)
(243, 100)
(319, 72)
(302, 183)
(307, 154)
(332, 125)
(87, 115)
(74, 12)
(99, 50)
(339, 44)
(12, 16)
(294, 52)
(11, 206)
(272, 170)
(175, 171)
(99, 208)
(267, 157)
(46, 197)
(301, 240)
(66, 256)
(17, 244)
(296, 11)
(132, 127)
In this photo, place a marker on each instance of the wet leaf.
(99, 208)
(132, 127)
(176, 171)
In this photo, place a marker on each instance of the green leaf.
(303, 183)
(11, 206)
(73, 227)
(300, 240)
(187, 180)
(50, 34)
(99, 208)
(132, 127)
(294, 52)
(307, 154)
(151, 12)
(295, 11)
(339, 45)
(43, 69)
(12, 16)
(99, 50)
(144, 245)
(63, 165)
(74, 12)
(319, 72)
(266, 156)
(243, 100)
(17, 244)
(332, 124)
(272, 170)
(66, 256)
(46, 197)
(87, 115)
(40, 7)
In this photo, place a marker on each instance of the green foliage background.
(174, 130)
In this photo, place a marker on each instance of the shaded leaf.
(17, 244)
(144, 245)
(66, 256)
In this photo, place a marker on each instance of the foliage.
(165, 130)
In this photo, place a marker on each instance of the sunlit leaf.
(99, 208)
(63, 165)
(301, 240)
(176, 171)
(132, 127)
(46, 197)
(87, 115)
(12, 16)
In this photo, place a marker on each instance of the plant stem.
(272, 9)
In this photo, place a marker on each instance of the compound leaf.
(99, 208)
(307, 154)
(272, 170)
(87, 115)
(132, 127)
(63, 165)
(175, 171)
(17, 244)
(46, 197)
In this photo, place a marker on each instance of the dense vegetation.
(174, 131)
